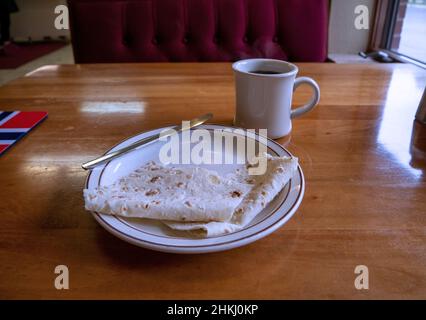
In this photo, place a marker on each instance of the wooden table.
(365, 200)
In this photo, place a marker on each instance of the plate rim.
(247, 239)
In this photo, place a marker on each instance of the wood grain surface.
(365, 199)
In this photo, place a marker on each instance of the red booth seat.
(198, 30)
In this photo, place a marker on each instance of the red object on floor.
(16, 55)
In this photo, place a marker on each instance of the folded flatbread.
(264, 189)
(167, 193)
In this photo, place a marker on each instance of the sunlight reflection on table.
(397, 120)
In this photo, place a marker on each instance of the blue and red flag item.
(16, 124)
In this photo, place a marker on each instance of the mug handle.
(314, 100)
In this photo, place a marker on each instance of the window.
(401, 26)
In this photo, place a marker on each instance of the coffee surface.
(265, 72)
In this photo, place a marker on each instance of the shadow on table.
(132, 256)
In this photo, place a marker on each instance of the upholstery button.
(245, 39)
(275, 39)
(126, 40)
(185, 40)
(155, 41)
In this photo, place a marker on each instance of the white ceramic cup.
(263, 101)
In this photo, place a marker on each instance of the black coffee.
(265, 72)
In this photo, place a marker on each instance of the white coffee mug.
(264, 91)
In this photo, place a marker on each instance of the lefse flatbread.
(167, 193)
(264, 189)
(193, 199)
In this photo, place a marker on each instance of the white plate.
(156, 236)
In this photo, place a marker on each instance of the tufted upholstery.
(198, 30)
